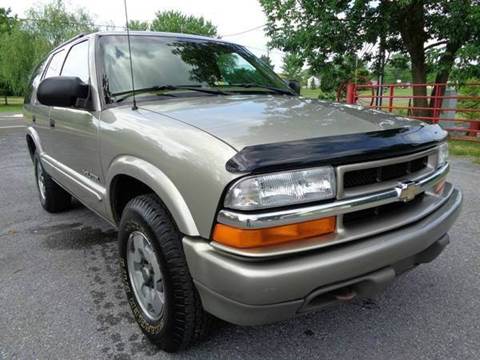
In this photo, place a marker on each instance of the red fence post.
(474, 125)
(432, 111)
(350, 93)
(390, 99)
(435, 114)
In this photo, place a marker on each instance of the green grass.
(311, 93)
(315, 93)
(465, 148)
(15, 104)
(385, 101)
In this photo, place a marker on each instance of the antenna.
(134, 106)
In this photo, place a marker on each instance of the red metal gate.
(458, 114)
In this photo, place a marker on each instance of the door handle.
(52, 123)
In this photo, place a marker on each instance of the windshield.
(162, 62)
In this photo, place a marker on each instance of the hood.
(246, 120)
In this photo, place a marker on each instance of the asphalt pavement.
(61, 296)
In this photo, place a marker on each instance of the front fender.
(160, 183)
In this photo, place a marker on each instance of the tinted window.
(159, 61)
(55, 64)
(76, 63)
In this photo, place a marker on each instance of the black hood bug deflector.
(336, 150)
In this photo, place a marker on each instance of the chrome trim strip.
(363, 231)
(284, 217)
(343, 169)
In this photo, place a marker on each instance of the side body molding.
(153, 177)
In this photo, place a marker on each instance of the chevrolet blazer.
(233, 196)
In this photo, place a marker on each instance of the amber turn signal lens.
(250, 238)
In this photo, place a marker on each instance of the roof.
(158, 33)
(137, 33)
(140, 33)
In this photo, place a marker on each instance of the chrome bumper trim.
(289, 278)
(284, 217)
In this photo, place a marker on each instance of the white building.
(313, 82)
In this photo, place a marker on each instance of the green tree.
(305, 75)
(138, 25)
(27, 50)
(27, 42)
(320, 30)
(267, 60)
(292, 66)
(55, 24)
(7, 20)
(175, 21)
(470, 88)
(397, 68)
(466, 65)
(336, 74)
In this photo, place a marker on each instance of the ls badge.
(90, 175)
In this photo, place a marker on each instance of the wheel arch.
(33, 141)
(31, 146)
(138, 176)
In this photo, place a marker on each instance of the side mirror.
(295, 86)
(63, 91)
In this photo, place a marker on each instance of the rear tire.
(158, 285)
(52, 197)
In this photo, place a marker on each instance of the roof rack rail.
(78, 36)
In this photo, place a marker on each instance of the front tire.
(159, 288)
(52, 197)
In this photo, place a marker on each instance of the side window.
(76, 63)
(55, 65)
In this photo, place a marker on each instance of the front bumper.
(250, 293)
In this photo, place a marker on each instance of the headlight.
(442, 154)
(282, 188)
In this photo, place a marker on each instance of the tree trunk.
(419, 76)
(412, 30)
(445, 65)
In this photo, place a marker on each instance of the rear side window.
(55, 64)
(76, 63)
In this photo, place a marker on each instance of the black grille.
(376, 212)
(383, 173)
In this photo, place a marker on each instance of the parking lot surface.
(61, 297)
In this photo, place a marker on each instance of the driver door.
(74, 135)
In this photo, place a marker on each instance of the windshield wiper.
(129, 93)
(272, 88)
(195, 88)
(167, 88)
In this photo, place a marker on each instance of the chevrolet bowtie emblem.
(408, 190)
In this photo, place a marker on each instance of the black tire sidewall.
(133, 220)
(56, 198)
(36, 161)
